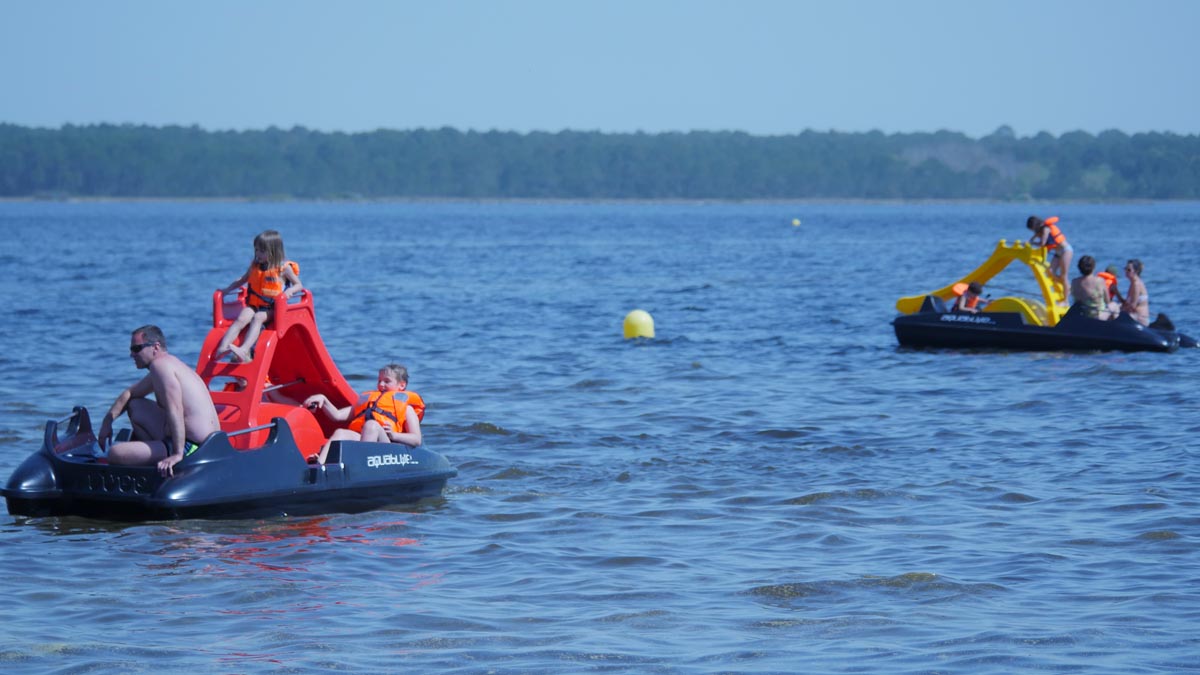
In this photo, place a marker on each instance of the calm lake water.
(770, 486)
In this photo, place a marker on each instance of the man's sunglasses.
(134, 349)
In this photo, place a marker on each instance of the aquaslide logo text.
(376, 461)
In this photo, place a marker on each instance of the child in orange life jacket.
(270, 276)
(389, 414)
(968, 297)
(1109, 276)
(1047, 235)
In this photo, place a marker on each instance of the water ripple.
(769, 486)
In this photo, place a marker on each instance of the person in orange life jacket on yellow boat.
(1047, 234)
(270, 276)
(389, 414)
(968, 297)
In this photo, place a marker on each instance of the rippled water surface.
(769, 486)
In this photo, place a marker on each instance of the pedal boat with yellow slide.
(1022, 323)
(256, 465)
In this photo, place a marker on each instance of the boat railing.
(248, 430)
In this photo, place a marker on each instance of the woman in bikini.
(1137, 301)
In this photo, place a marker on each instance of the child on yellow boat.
(1047, 234)
(969, 299)
(389, 414)
(270, 276)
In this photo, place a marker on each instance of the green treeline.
(139, 161)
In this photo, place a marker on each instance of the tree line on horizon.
(115, 161)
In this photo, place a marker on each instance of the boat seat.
(933, 303)
(1074, 314)
(1162, 322)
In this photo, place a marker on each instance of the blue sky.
(761, 66)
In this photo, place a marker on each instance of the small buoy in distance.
(795, 222)
(639, 323)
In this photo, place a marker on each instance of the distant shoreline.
(445, 164)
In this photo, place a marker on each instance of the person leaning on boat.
(969, 299)
(388, 414)
(175, 423)
(1090, 291)
(1047, 234)
(1137, 301)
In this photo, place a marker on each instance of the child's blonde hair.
(398, 371)
(271, 243)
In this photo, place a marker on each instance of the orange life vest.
(1056, 238)
(960, 289)
(386, 406)
(416, 403)
(1110, 282)
(264, 284)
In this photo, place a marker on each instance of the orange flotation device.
(385, 407)
(1056, 238)
(264, 284)
(1110, 282)
(961, 289)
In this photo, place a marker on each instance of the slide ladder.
(290, 364)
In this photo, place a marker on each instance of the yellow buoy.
(639, 323)
(795, 222)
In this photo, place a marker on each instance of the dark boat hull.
(1009, 331)
(218, 481)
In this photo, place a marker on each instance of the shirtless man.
(175, 423)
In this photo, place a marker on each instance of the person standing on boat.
(1089, 291)
(1137, 301)
(175, 423)
(1047, 235)
(388, 414)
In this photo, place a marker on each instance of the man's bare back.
(199, 415)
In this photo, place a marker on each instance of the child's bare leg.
(1059, 274)
(251, 337)
(235, 328)
(339, 435)
(373, 432)
(1065, 261)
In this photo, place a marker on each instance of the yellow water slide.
(1045, 313)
